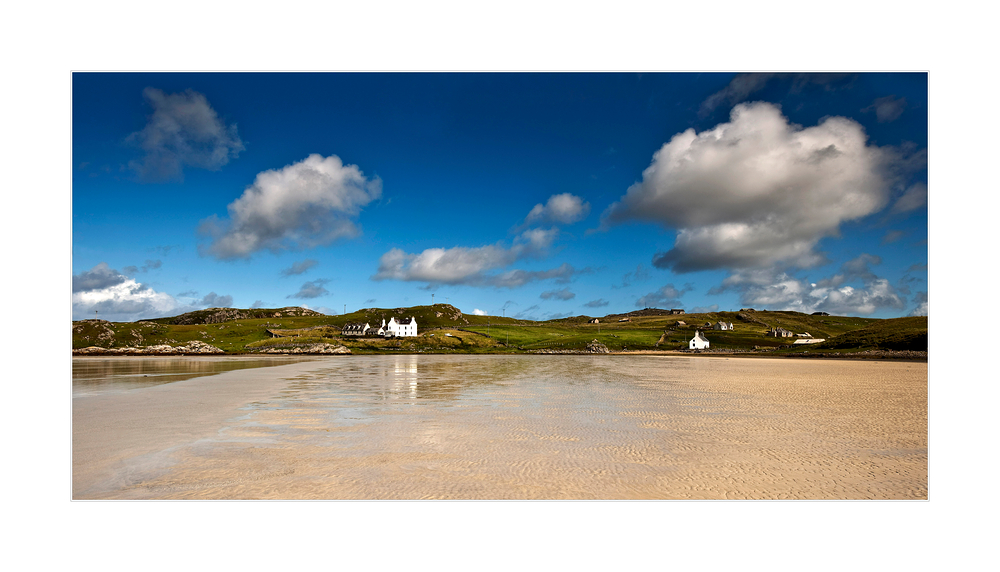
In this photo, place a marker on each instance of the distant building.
(680, 324)
(676, 311)
(625, 320)
(594, 321)
(355, 329)
(724, 326)
(698, 342)
(403, 328)
(779, 333)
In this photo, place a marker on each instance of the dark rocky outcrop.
(596, 347)
(308, 349)
(192, 347)
(219, 315)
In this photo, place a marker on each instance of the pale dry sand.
(514, 427)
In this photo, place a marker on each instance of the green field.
(253, 330)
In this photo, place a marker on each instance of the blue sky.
(535, 195)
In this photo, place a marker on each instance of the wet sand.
(514, 427)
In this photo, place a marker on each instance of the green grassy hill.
(238, 331)
(893, 334)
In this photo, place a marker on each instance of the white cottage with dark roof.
(698, 342)
(355, 329)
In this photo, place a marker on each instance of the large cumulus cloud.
(307, 204)
(183, 130)
(758, 191)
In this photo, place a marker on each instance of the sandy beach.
(513, 427)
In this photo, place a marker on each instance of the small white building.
(724, 326)
(698, 342)
(402, 328)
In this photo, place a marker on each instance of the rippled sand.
(519, 427)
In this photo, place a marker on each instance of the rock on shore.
(192, 347)
(311, 349)
(596, 347)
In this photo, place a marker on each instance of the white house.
(725, 326)
(698, 342)
(403, 328)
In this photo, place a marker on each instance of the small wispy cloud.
(887, 109)
(299, 267)
(313, 289)
(563, 295)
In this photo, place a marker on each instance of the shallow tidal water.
(512, 427)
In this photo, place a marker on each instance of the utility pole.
(345, 309)
(432, 299)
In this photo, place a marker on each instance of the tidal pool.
(513, 427)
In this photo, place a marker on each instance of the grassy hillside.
(892, 334)
(250, 330)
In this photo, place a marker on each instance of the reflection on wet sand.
(95, 375)
(552, 427)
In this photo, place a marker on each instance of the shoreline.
(863, 355)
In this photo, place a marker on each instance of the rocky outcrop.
(219, 315)
(97, 332)
(596, 347)
(192, 347)
(309, 349)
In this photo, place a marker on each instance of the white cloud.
(564, 208)
(758, 190)
(465, 265)
(116, 297)
(780, 291)
(303, 205)
(183, 131)
(479, 312)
